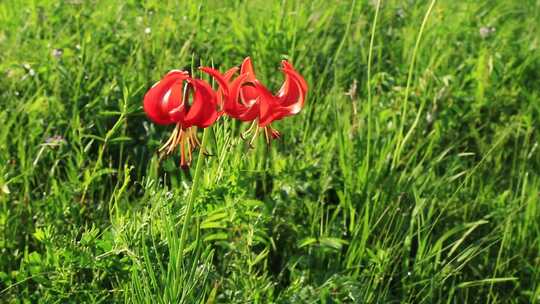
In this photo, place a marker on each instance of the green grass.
(411, 175)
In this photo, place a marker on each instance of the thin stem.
(370, 98)
(400, 142)
(194, 190)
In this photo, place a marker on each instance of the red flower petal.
(268, 104)
(174, 102)
(292, 94)
(248, 94)
(232, 107)
(153, 99)
(287, 65)
(247, 68)
(223, 82)
(203, 111)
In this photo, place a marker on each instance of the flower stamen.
(253, 138)
(244, 134)
(266, 135)
(186, 139)
(275, 133)
(182, 153)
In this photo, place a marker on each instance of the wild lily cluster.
(190, 103)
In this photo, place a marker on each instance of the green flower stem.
(194, 190)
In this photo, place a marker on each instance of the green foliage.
(411, 176)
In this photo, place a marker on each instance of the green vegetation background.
(411, 176)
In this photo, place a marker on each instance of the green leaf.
(331, 242)
(306, 241)
(216, 236)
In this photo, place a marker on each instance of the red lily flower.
(168, 102)
(247, 99)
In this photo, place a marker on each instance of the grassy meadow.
(410, 176)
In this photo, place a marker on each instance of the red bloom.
(168, 102)
(247, 99)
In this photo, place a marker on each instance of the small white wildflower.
(29, 70)
(78, 47)
(55, 140)
(5, 189)
(429, 117)
(400, 13)
(147, 31)
(486, 31)
(57, 53)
